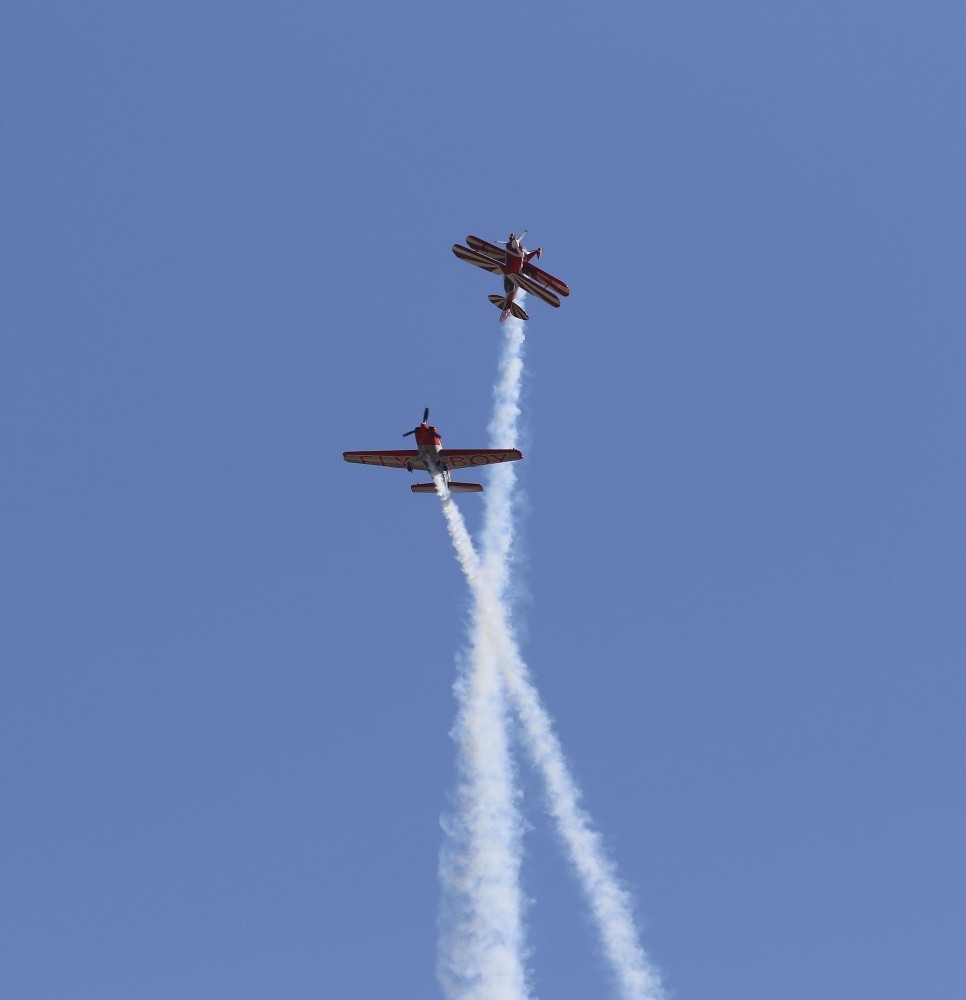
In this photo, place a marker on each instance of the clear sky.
(228, 657)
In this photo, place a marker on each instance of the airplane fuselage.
(515, 261)
(512, 263)
(430, 445)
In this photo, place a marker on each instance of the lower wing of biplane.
(450, 460)
(531, 287)
(542, 277)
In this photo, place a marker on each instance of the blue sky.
(228, 657)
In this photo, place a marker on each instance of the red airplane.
(514, 263)
(433, 458)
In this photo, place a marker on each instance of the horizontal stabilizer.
(453, 488)
(500, 302)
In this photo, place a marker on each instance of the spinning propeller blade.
(425, 420)
(513, 236)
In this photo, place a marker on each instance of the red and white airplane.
(514, 263)
(433, 458)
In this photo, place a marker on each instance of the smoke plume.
(482, 949)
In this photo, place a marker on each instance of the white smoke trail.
(469, 561)
(609, 902)
(482, 940)
(498, 523)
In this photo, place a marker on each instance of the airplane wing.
(482, 456)
(490, 249)
(538, 274)
(402, 459)
(479, 259)
(531, 287)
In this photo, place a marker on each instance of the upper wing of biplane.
(533, 288)
(482, 456)
(402, 459)
(543, 278)
(477, 258)
(490, 249)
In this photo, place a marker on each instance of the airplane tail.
(453, 488)
(501, 303)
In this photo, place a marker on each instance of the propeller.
(425, 420)
(519, 238)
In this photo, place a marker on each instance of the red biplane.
(430, 456)
(514, 264)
